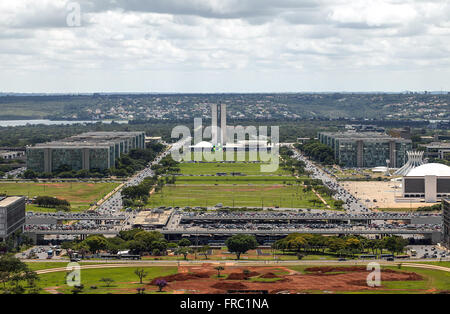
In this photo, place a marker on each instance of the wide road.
(351, 204)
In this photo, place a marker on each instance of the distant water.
(6, 123)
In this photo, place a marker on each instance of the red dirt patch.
(182, 277)
(195, 279)
(229, 286)
(269, 275)
(329, 269)
(237, 276)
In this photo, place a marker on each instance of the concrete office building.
(437, 150)
(12, 215)
(429, 183)
(366, 149)
(446, 216)
(87, 151)
(217, 138)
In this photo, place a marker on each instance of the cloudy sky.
(224, 45)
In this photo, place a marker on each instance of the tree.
(13, 271)
(184, 242)
(96, 243)
(29, 174)
(107, 281)
(240, 244)
(219, 269)
(184, 251)
(141, 273)
(395, 244)
(204, 250)
(161, 283)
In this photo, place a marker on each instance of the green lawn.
(48, 265)
(79, 194)
(213, 168)
(237, 196)
(245, 180)
(200, 186)
(222, 156)
(125, 281)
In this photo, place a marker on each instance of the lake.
(7, 123)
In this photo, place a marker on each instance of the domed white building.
(429, 183)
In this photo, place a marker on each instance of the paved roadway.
(351, 204)
(114, 204)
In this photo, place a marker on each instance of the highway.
(351, 204)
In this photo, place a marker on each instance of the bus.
(368, 256)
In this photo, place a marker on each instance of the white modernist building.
(415, 159)
(219, 136)
(429, 183)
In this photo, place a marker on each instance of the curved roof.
(432, 169)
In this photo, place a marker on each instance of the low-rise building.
(366, 149)
(429, 183)
(437, 150)
(12, 215)
(87, 151)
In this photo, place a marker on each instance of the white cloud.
(226, 45)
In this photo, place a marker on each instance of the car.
(342, 260)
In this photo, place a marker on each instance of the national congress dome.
(429, 183)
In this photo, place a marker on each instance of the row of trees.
(350, 245)
(142, 242)
(136, 196)
(294, 166)
(52, 202)
(317, 151)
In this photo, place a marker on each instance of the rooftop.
(9, 200)
(432, 169)
(437, 145)
(367, 136)
(90, 139)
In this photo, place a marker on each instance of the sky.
(207, 46)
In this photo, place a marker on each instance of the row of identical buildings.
(87, 151)
(366, 149)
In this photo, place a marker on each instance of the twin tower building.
(219, 135)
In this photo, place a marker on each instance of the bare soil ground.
(383, 192)
(203, 280)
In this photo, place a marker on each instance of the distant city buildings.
(12, 215)
(11, 154)
(366, 149)
(87, 151)
(437, 150)
(364, 128)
